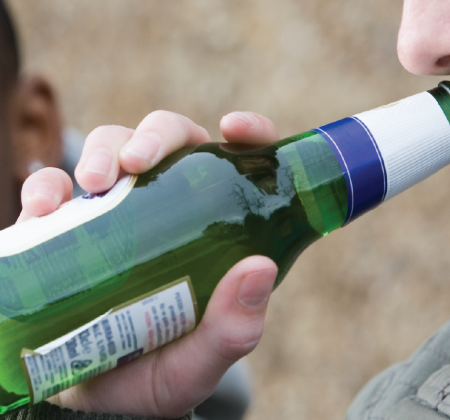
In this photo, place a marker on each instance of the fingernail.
(99, 161)
(247, 117)
(44, 189)
(256, 288)
(146, 146)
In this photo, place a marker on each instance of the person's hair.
(9, 49)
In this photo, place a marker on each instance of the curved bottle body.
(193, 216)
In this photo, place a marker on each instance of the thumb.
(231, 327)
(170, 381)
(234, 319)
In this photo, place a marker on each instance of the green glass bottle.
(109, 277)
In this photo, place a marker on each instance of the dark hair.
(9, 49)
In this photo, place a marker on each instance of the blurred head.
(424, 37)
(29, 123)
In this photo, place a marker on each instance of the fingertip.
(141, 153)
(248, 127)
(242, 280)
(255, 263)
(42, 199)
(44, 191)
(94, 182)
(99, 167)
(98, 170)
(244, 120)
(255, 288)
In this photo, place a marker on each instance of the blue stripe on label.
(361, 163)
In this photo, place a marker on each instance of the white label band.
(24, 236)
(413, 136)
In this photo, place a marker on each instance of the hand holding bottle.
(172, 380)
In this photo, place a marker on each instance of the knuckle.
(53, 176)
(240, 341)
(159, 113)
(166, 118)
(181, 128)
(107, 133)
(99, 131)
(234, 349)
(159, 116)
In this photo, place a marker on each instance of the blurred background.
(358, 300)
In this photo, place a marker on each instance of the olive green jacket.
(47, 411)
(416, 389)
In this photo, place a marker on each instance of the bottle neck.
(310, 164)
(442, 95)
(389, 149)
(361, 163)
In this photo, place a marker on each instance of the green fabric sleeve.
(47, 411)
(416, 389)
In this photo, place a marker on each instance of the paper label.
(111, 340)
(24, 236)
(413, 137)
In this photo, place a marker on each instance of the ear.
(35, 128)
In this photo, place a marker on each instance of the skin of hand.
(172, 380)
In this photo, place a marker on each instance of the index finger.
(157, 136)
(108, 149)
(248, 127)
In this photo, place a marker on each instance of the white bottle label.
(413, 137)
(111, 340)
